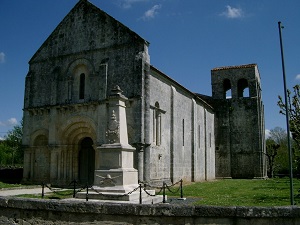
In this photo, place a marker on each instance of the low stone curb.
(70, 210)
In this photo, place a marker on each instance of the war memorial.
(96, 111)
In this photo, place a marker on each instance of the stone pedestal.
(115, 176)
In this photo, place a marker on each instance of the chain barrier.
(142, 187)
(151, 186)
(58, 190)
(115, 196)
(168, 187)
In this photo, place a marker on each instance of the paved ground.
(21, 191)
(38, 190)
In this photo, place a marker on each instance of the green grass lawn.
(236, 192)
(227, 192)
(5, 185)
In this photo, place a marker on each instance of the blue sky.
(187, 39)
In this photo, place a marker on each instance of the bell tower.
(240, 141)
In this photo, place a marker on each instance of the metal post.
(287, 116)
(181, 191)
(164, 192)
(43, 187)
(141, 201)
(74, 190)
(87, 192)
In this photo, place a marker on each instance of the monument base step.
(121, 197)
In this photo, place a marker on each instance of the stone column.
(27, 164)
(53, 163)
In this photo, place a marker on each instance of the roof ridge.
(235, 67)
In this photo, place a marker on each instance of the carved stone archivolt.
(113, 131)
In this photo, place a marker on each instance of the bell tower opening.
(227, 89)
(243, 88)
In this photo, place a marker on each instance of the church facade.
(177, 134)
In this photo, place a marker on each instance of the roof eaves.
(175, 82)
(235, 67)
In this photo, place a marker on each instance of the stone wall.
(35, 211)
(186, 148)
(67, 84)
(239, 122)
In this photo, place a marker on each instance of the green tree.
(293, 102)
(4, 156)
(271, 153)
(280, 162)
(11, 151)
(294, 111)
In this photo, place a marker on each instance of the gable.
(85, 28)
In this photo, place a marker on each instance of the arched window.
(81, 86)
(157, 124)
(227, 88)
(243, 88)
(41, 140)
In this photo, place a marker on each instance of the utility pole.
(287, 116)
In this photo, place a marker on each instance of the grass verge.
(227, 192)
(238, 192)
(5, 185)
(50, 195)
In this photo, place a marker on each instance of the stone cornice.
(41, 110)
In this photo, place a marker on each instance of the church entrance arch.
(86, 161)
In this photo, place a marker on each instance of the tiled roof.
(235, 67)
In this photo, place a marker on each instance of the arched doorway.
(86, 161)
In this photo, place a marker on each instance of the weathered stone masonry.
(240, 140)
(177, 134)
(37, 211)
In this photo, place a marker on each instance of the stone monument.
(115, 177)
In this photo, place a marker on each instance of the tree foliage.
(293, 110)
(11, 151)
(278, 160)
(271, 153)
(293, 103)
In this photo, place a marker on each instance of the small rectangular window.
(199, 136)
(183, 132)
(154, 127)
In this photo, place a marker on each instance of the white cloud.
(2, 138)
(2, 57)
(232, 12)
(298, 77)
(8, 123)
(12, 121)
(267, 133)
(151, 13)
(126, 4)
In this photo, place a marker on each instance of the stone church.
(177, 134)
